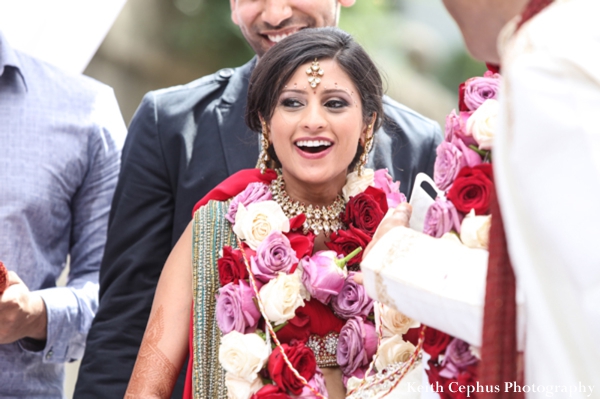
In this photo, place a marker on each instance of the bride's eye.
(336, 103)
(291, 103)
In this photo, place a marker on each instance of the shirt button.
(49, 354)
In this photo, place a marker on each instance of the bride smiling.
(275, 309)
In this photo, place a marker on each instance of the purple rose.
(236, 309)
(451, 158)
(321, 276)
(318, 384)
(457, 358)
(441, 217)
(255, 192)
(352, 300)
(383, 181)
(357, 344)
(479, 89)
(447, 165)
(274, 255)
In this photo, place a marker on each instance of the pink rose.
(441, 217)
(235, 308)
(352, 300)
(470, 157)
(317, 383)
(451, 158)
(384, 182)
(479, 89)
(456, 127)
(274, 255)
(321, 276)
(255, 192)
(357, 344)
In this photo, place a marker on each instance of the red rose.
(322, 319)
(494, 68)
(297, 221)
(302, 244)
(439, 383)
(297, 328)
(270, 392)
(231, 266)
(412, 335)
(365, 210)
(472, 188)
(435, 342)
(464, 379)
(3, 278)
(312, 318)
(462, 107)
(346, 241)
(303, 360)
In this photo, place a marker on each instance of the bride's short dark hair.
(278, 65)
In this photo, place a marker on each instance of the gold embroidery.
(211, 231)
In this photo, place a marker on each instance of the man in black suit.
(182, 142)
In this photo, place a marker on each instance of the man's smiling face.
(265, 22)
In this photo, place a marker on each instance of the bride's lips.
(323, 145)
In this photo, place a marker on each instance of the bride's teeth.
(313, 143)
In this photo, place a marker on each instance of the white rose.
(393, 322)
(303, 291)
(243, 355)
(353, 383)
(482, 125)
(239, 388)
(475, 230)
(393, 350)
(253, 224)
(357, 184)
(281, 297)
(451, 237)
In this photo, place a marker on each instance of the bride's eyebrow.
(336, 91)
(298, 91)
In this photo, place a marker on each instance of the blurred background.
(161, 43)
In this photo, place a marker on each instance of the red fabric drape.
(235, 184)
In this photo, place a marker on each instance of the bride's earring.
(364, 157)
(264, 158)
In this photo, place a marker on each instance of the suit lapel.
(240, 144)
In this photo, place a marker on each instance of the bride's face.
(315, 132)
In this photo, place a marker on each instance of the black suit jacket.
(182, 142)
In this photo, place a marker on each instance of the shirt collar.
(9, 58)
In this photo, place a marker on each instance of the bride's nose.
(314, 120)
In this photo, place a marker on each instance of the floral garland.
(304, 296)
(463, 171)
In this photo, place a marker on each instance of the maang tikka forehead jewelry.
(314, 73)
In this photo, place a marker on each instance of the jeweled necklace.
(318, 218)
